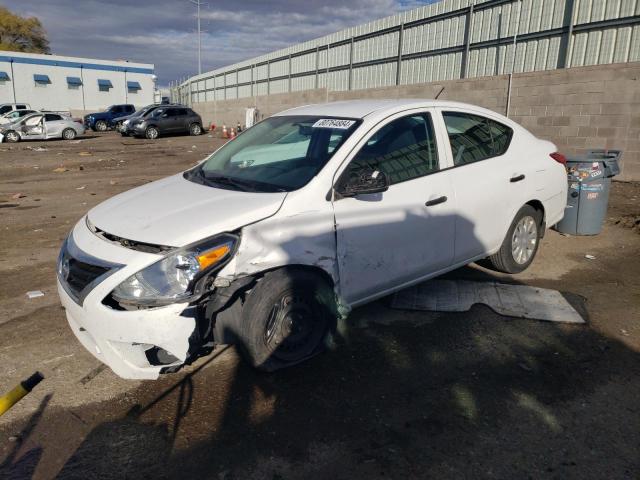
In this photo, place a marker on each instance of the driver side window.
(403, 149)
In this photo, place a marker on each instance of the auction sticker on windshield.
(333, 123)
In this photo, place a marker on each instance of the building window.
(133, 87)
(104, 85)
(41, 80)
(74, 83)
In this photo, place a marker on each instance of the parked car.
(9, 107)
(102, 121)
(266, 255)
(121, 123)
(13, 115)
(41, 126)
(166, 119)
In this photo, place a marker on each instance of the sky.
(162, 32)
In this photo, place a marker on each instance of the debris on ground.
(81, 188)
(85, 154)
(37, 149)
(60, 170)
(520, 301)
(590, 257)
(35, 294)
(18, 195)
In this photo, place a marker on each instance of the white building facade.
(51, 82)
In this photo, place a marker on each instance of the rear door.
(182, 120)
(54, 124)
(393, 238)
(487, 180)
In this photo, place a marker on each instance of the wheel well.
(537, 206)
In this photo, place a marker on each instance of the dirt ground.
(402, 395)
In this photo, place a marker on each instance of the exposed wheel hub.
(291, 327)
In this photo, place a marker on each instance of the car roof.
(362, 108)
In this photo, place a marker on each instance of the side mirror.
(364, 181)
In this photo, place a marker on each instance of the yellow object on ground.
(14, 396)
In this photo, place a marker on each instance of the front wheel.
(12, 137)
(521, 243)
(151, 133)
(101, 126)
(195, 129)
(68, 134)
(285, 319)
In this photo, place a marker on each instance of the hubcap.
(523, 242)
(12, 136)
(68, 134)
(101, 126)
(153, 133)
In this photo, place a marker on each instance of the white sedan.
(264, 245)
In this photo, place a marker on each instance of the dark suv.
(166, 119)
(101, 121)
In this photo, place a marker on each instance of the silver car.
(41, 126)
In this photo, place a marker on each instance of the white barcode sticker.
(333, 123)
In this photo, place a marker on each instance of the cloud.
(162, 32)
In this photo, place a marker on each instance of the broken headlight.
(179, 276)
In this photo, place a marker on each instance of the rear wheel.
(12, 137)
(195, 129)
(68, 134)
(101, 126)
(520, 246)
(284, 319)
(151, 133)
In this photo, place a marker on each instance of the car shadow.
(399, 395)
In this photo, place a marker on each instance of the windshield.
(279, 154)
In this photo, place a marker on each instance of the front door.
(33, 128)
(396, 237)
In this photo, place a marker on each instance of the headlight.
(178, 277)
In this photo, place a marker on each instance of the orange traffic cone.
(212, 127)
(225, 133)
(233, 133)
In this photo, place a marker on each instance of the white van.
(302, 217)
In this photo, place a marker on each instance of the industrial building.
(447, 40)
(567, 70)
(52, 82)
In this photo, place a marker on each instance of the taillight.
(558, 157)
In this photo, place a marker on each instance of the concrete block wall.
(576, 108)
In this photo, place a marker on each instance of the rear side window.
(181, 112)
(50, 117)
(21, 107)
(474, 138)
(404, 149)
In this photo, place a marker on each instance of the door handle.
(516, 179)
(436, 201)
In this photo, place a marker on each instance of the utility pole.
(198, 4)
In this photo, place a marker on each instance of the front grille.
(79, 272)
(82, 274)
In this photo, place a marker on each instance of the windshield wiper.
(223, 180)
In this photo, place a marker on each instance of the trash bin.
(589, 178)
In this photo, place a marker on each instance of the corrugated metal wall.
(446, 40)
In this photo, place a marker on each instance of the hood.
(176, 212)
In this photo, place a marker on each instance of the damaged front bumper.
(135, 344)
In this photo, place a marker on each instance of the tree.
(20, 34)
